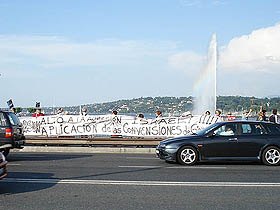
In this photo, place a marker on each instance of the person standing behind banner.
(207, 113)
(246, 114)
(260, 117)
(274, 117)
(140, 116)
(261, 114)
(114, 112)
(84, 111)
(38, 113)
(13, 110)
(230, 117)
(158, 114)
(218, 113)
(60, 111)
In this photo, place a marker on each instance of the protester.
(218, 113)
(114, 112)
(207, 113)
(84, 111)
(158, 114)
(246, 114)
(140, 116)
(230, 117)
(274, 117)
(261, 114)
(13, 110)
(60, 111)
(38, 113)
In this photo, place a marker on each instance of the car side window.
(246, 129)
(226, 130)
(273, 129)
(3, 121)
(252, 129)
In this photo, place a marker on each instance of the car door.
(273, 133)
(252, 138)
(222, 144)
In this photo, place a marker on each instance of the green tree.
(31, 109)
(18, 109)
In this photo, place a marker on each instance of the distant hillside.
(175, 105)
(171, 105)
(138, 105)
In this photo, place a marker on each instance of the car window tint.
(273, 128)
(251, 129)
(226, 130)
(3, 121)
(246, 129)
(208, 129)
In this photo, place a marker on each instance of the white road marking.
(141, 167)
(141, 183)
(141, 158)
(14, 164)
(197, 167)
(177, 167)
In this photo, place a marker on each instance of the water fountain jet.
(205, 88)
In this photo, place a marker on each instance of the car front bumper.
(166, 154)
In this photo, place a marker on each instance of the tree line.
(174, 105)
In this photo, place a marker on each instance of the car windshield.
(13, 119)
(207, 129)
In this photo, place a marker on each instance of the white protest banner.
(74, 125)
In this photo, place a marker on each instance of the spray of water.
(205, 87)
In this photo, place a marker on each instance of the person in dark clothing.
(274, 117)
(261, 115)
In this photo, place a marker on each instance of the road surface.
(134, 181)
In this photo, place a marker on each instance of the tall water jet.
(204, 90)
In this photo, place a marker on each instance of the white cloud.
(189, 62)
(51, 51)
(258, 51)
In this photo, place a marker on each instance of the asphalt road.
(133, 181)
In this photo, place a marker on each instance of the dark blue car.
(225, 141)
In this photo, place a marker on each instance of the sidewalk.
(71, 149)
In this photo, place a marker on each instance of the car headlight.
(2, 157)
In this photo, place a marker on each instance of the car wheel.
(6, 152)
(187, 155)
(271, 156)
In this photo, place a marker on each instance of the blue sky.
(79, 52)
